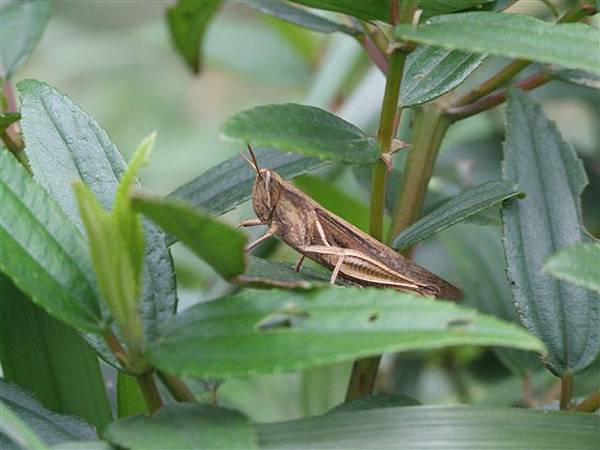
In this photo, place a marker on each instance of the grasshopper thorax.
(265, 195)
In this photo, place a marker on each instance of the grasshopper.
(329, 240)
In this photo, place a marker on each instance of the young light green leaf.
(130, 400)
(459, 428)
(16, 430)
(272, 331)
(570, 45)
(113, 265)
(303, 129)
(188, 21)
(22, 24)
(299, 16)
(456, 210)
(478, 257)
(229, 184)
(565, 317)
(64, 144)
(576, 76)
(215, 242)
(50, 428)
(184, 426)
(52, 361)
(42, 252)
(433, 71)
(579, 264)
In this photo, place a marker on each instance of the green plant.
(88, 280)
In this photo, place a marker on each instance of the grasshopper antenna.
(254, 162)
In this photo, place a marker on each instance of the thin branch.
(590, 404)
(497, 97)
(177, 388)
(150, 391)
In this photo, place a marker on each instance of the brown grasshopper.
(331, 241)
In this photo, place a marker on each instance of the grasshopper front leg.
(270, 232)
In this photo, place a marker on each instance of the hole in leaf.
(459, 323)
(278, 320)
(373, 317)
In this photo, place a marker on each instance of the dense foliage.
(396, 133)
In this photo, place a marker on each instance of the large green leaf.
(184, 426)
(436, 427)
(300, 16)
(215, 242)
(22, 24)
(523, 37)
(479, 262)
(42, 251)
(565, 317)
(227, 185)
(188, 20)
(579, 264)
(272, 331)
(303, 129)
(49, 359)
(456, 210)
(64, 144)
(433, 71)
(381, 9)
(51, 428)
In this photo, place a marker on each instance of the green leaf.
(112, 260)
(364, 9)
(579, 264)
(299, 16)
(7, 118)
(64, 144)
(576, 76)
(380, 9)
(17, 431)
(215, 242)
(565, 317)
(188, 21)
(51, 428)
(436, 427)
(130, 399)
(303, 129)
(22, 24)
(184, 426)
(49, 359)
(262, 273)
(229, 184)
(83, 445)
(433, 71)
(273, 331)
(42, 252)
(456, 210)
(478, 258)
(573, 45)
(335, 200)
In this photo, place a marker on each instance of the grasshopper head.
(265, 194)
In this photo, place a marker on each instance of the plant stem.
(177, 388)
(362, 379)
(150, 391)
(387, 128)
(115, 347)
(428, 131)
(566, 390)
(590, 404)
(580, 10)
